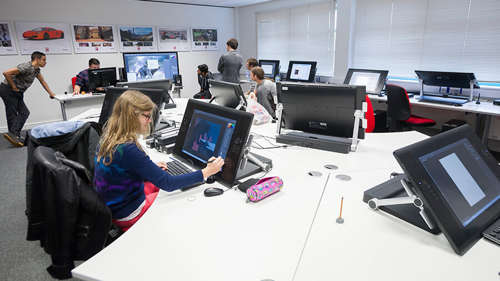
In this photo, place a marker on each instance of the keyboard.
(176, 168)
(443, 100)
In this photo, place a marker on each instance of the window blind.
(298, 33)
(442, 35)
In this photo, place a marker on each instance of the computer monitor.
(321, 108)
(271, 68)
(301, 71)
(101, 78)
(458, 181)
(211, 130)
(372, 79)
(164, 84)
(447, 79)
(113, 93)
(150, 66)
(227, 94)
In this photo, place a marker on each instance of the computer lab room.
(250, 140)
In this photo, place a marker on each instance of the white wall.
(60, 68)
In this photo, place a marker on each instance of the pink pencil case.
(263, 188)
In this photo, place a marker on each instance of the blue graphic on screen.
(208, 135)
(150, 66)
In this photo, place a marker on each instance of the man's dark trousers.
(15, 109)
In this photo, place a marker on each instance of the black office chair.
(74, 221)
(399, 110)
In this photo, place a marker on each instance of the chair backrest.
(369, 115)
(398, 104)
(73, 82)
(75, 220)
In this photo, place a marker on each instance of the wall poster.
(204, 39)
(7, 42)
(88, 38)
(173, 39)
(49, 38)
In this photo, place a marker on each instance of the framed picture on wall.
(137, 39)
(173, 39)
(50, 38)
(91, 38)
(7, 42)
(204, 39)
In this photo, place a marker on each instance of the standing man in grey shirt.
(230, 63)
(265, 90)
(17, 81)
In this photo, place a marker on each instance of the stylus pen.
(211, 160)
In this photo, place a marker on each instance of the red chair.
(399, 110)
(369, 116)
(73, 82)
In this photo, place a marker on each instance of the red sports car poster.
(7, 43)
(90, 38)
(50, 38)
(174, 39)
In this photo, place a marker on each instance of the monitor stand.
(252, 163)
(396, 198)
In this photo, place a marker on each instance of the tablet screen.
(463, 178)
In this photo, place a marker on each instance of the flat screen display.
(463, 179)
(212, 130)
(372, 79)
(301, 71)
(208, 135)
(458, 181)
(150, 66)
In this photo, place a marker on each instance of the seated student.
(203, 76)
(82, 79)
(251, 63)
(265, 91)
(125, 177)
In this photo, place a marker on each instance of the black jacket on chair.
(74, 220)
(79, 146)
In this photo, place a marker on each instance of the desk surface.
(487, 108)
(70, 97)
(186, 236)
(292, 235)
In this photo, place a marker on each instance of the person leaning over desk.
(265, 91)
(230, 64)
(82, 78)
(125, 177)
(17, 81)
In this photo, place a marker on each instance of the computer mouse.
(212, 191)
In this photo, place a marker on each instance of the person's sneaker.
(13, 139)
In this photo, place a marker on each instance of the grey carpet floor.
(21, 259)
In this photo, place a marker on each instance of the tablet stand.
(396, 198)
(252, 163)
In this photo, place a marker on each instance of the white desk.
(372, 245)
(485, 110)
(84, 101)
(186, 236)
